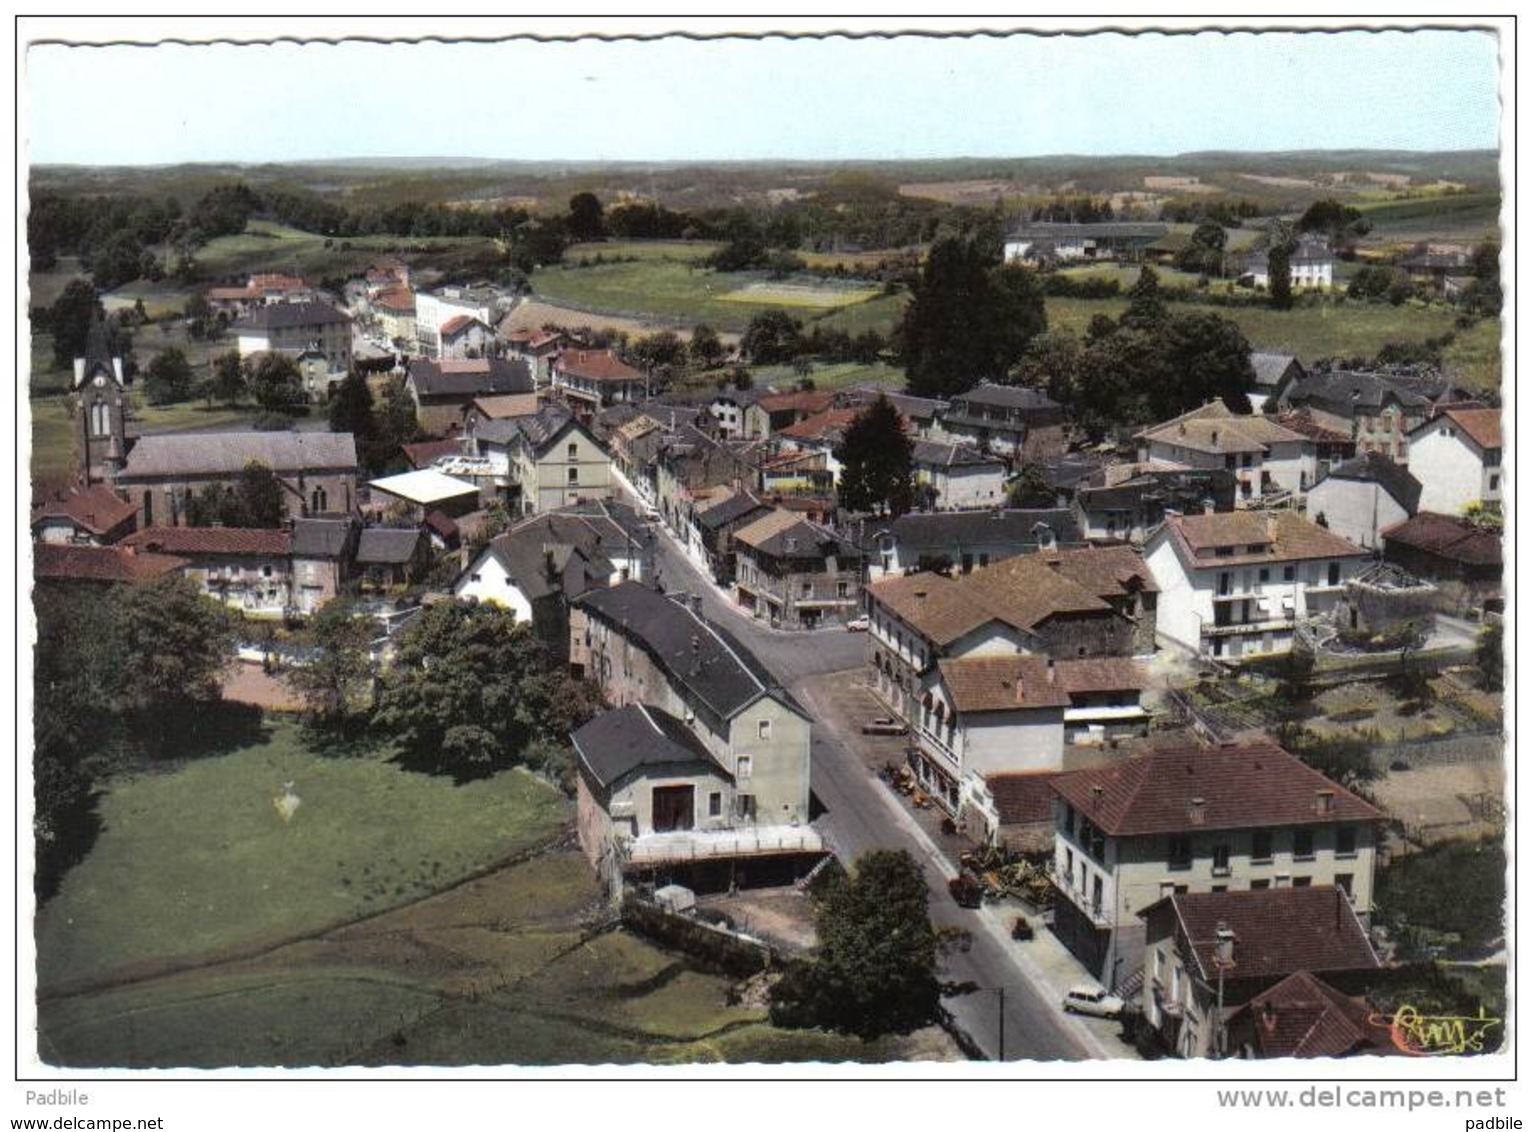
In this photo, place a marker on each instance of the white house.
(1363, 497)
(958, 476)
(1236, 584)
(1199, 820)
(1458, 457)
(435, 310)
(1264, 456)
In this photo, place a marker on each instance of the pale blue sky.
(832, 99)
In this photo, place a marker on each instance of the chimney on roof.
(1183, 428)
(1096, 793)
(1208, 506)
(1324, 802)
(1271, 526)
(1052, 677)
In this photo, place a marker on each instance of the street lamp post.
(1223, 959)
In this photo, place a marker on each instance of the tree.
(1204, 250)
(1490, 653)
(396, 425)
(1209, 357)
(335, 681)
(968, 319)
(706, 347)
(585, 218)
(1146, 306)
(1484, 295)
(874, 970)
(229, 384)
(69, 320)
(876, 455)
(180, 642)
(351, 408)
(741, 378)
(1279, 265)
(658, 351)
(1052, 362)
(261, 499)
(1341, 224)
(1032, 489)
(276, 383)
(467, 692)
(168, 378)
(772, 336)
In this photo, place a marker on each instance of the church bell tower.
(100, 394)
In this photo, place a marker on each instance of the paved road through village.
(860, 815)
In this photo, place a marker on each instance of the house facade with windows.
(1022, 424)
(795, 573)
(83, 516)
(1376, 410)
(1236, 585)
(591, 380)
(434, 310)
(1459, 455)
(1207, 954)
(554, 461)
(1264, 457)
(646, 649)
(248, 570)
(1125, 502)
(323, 552)
(1197, 820)
(445, 390)
(295, 328)
(957, 477)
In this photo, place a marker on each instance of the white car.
(1087, 999)
(858, 625)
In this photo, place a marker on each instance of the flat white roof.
(424, 486)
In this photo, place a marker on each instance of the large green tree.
(585, 218)
(1203, 252)
(168, 377)
(1146, 305)
(334, 683)
(351, 408)
(69, 320)
(179, 641)
(969, 318)
(874, 969)
(773, 336)
(468, 691)
(875, 454)
(276, 383)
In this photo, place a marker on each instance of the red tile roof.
(1277, 931)
(806, 401)
(1102, 674)
(820, 425)
(1022, 799)
(400, 299)
(425, 453)
(596, 365)
(212, 540)
(1447, 536)
(458, 322)
(59, 562)
(1304, 1016)
(96, 509)
(1176, 789)
(1302, 421)
(1279, 536)
(1483, 425)
(1002, 683)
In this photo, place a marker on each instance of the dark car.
(966, 891)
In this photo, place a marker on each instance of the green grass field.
(195, 859)
(669, 289)
(881, 314)
(832, 376)
(265, 246)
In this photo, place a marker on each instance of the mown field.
(195, 858)
(672, 289)
(1468, 217)
(203, 931)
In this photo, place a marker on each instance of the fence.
(712, 948)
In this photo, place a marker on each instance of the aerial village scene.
(575, 603)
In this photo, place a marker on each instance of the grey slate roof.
(1269, 368)
(388, 546)
(1343, 389)
(1107, 229)
(194, 454)
(501, 431)
(737, 506)
(987, 528)
(543, 428)
(580, 546)
(617, 743)
(695, 653)
(283, 316)
(320, 538)
(502, 375)
(1007, 396)
(1374, 468)
(934, 453)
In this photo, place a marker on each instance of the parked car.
(858, 625)
(1088, 999)
(884, 725)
